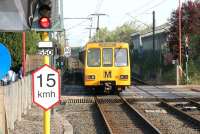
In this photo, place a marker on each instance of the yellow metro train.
(106, 65)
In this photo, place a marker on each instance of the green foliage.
(190, 26)
(120, 34)
(13, 42)
(31, 42)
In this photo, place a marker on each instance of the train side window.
(121, 57)
(107, 57)
(93, 57)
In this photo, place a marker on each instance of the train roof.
(106, 44)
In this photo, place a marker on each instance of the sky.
(117, 12)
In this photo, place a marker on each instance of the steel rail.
(182, 114)
(193, 103)
(147, 123)
(103, 116)
(187, 99)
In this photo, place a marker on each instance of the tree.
(120, 34)
(190, 20)
(13, 42)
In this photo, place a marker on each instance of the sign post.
(46, 89)
(49, 86)
(67, 51)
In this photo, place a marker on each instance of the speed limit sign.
(46, 87)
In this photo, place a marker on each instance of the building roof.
(159, 29)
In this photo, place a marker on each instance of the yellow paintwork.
(99, 72)
(46, 114)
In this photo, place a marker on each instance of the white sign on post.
(67, 51)
(46, 87)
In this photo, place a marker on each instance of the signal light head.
(45, 11)
(45, 22)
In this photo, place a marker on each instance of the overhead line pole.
(154, 55)
(97, 29)
(90, 28)
(153, 31)
(180, 44)
(90, 33)
(179, 71)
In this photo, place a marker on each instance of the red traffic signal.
(44, 22)
(44, 13)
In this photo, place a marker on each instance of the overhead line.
(79, 18)
(137, 9)
(76, 25)
(161, 2)
(129, 13)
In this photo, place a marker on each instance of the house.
(148, 61)
(145, 39)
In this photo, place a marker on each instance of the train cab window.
(121, 57)
(93, 57)
(107, 57)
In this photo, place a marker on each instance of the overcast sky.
(117, 12)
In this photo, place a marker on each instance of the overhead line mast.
(97, 29)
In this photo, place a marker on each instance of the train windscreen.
(107, 57)
(93, 57)
(121, 57)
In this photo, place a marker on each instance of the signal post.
(46, 87)
(46, 114)
(44, 22)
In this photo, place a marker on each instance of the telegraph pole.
(153, 32)
(90, 28)
(154, 67)
(178, 68)
(97, 29)
(179, 22)
(187, 56)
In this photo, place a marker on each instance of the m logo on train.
(107, 74)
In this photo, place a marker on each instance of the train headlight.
(123, 77)
(90, 77)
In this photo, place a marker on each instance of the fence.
(15, 100)
(33, 62)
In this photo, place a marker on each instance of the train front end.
(107, 65)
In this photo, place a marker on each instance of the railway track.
(188, 110)
(164, 118)
(145, 115)
(120, 117)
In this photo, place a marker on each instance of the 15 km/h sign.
(46, 87)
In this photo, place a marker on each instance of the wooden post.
(29, 92)
(22, 95)
(19, 101)
(25, 95)
(2, 111)
(12, 104)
